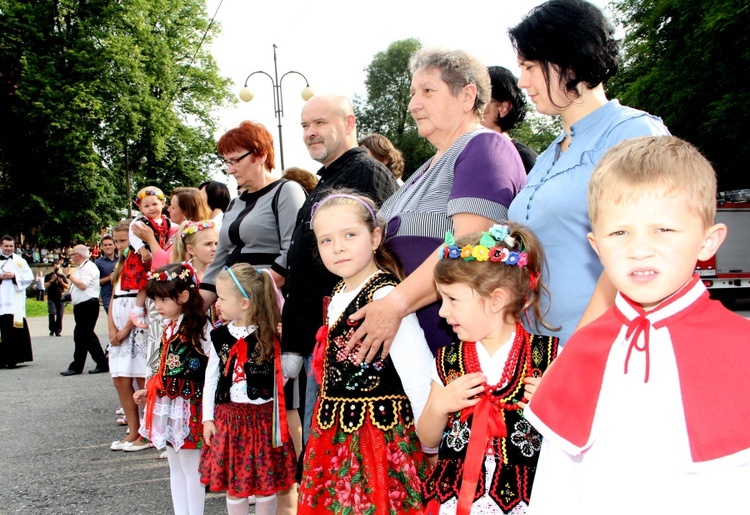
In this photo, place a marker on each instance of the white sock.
(265, 505)
(237, 506)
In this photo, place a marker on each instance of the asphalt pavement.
(56, 431)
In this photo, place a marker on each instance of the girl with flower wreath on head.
(173, 395)
(488, 282)
(150, 202)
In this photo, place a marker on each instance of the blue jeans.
(311, 396)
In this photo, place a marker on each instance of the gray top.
(250, 225)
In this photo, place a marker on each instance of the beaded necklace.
(520, 352)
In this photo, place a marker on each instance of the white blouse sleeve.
(412, 358)
(209, 387)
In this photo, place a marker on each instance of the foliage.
(386, 110)
(85, 83)
(537, 131)
(688, 61)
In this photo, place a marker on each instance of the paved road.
(55, 433)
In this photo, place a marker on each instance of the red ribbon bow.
(239, 353)
(637, 326)
(488, 422)
(319, 353)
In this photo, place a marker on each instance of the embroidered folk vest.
(184, 369)
(352, 394)
(515, 455)
(259, 375)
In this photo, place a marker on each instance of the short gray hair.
(457, 69)
(83, 250)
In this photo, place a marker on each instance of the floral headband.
(490, 247)
(147, 193)
(193, 227)
(187, 275)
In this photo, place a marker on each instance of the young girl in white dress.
(127, 348)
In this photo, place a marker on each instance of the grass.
(35, 308)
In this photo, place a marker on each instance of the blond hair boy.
(646, 410)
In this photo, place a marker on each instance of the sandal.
(122, 421)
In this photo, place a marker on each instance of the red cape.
(712, 351)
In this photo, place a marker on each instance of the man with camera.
(56, 284)
(85, 297)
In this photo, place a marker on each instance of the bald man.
(84, 293)
(330, 134)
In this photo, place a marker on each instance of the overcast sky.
(332, 41)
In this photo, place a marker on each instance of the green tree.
(688, 61)
(537, 131)
(82, 80)
(386, 109)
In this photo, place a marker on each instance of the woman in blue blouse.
(567, 52)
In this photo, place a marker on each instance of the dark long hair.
(181, 278)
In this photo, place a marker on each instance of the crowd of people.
(500, 333)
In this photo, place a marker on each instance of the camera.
(66, 263)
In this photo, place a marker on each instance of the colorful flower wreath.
(187, 275)
(495, 245)
(193, 227)
(147, 193)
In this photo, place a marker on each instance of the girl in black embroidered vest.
(363, 455)
(173, 394)
(150, 202)
(488, 451)
(249, 449)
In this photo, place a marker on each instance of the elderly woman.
(467, 186)
(567, 52)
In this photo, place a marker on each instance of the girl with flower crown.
(487, 450)
(196, 244)
(150, 202)
(174, 393)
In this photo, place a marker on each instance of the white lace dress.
(171, 417)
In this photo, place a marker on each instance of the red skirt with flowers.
(134, 272)
(241, 458)
(368, 471)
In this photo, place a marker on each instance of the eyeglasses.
(234, 161)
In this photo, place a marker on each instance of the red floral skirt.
(241, 458)
(134, 272)
(369, 471)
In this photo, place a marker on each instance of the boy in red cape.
(646, 410)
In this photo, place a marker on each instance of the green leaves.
(83, 85)
(687, 61)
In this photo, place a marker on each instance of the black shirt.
(308, 280)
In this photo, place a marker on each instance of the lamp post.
(129, 181)
(278, 100)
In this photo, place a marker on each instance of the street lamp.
(278, 100)
(129, 181)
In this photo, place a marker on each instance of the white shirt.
(8, 289)
(89, 274)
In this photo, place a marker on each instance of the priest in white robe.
(15, 277)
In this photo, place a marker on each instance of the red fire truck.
(727, 274)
